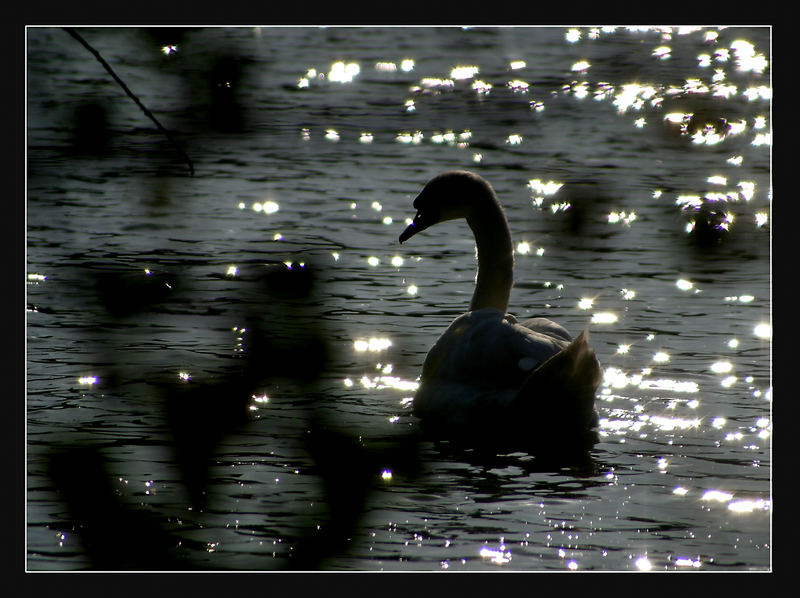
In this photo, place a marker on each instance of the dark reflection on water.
(139, 275)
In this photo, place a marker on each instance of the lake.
(220, 366)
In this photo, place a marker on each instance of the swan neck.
(495, 257)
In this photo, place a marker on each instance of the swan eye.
(527, 363)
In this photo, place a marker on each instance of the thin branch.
(131, 95)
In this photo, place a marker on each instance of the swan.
(489, 375)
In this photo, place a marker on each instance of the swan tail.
(562, 389)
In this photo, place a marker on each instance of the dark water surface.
(634, 166)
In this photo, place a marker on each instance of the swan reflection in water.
(490, 377)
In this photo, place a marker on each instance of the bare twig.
(131, 95)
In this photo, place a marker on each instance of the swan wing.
(547, 327)
(486, 348)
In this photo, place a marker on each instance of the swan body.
(487, 372)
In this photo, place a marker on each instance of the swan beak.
(418, 225)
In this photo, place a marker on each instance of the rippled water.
(148, 292)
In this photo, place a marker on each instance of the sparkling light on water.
(373, 344)
(604, 317)
(721, 367)
(661, 357)
(643, 564)
(343, 73)
(581, 66)
(717, 495)
(763, 331)
(662, 52)
(464, 72)
(499, 556)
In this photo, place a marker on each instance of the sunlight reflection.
(500, 555)
(482, 87)
(747, 59)
(661, 357)
(643, 564)
(604, 317)
(414, 138)
(463, 72)
(624, 217)
(383, 382)
(343, 73)
(748, 189)
(721, 367)
(544, 188)
(671, 385)
(755, 93)
(763, 331)
(717, 495)
(373, 344)
(662, 52)
(748, 506)
(667, 424)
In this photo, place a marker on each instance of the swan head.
(448, 196)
